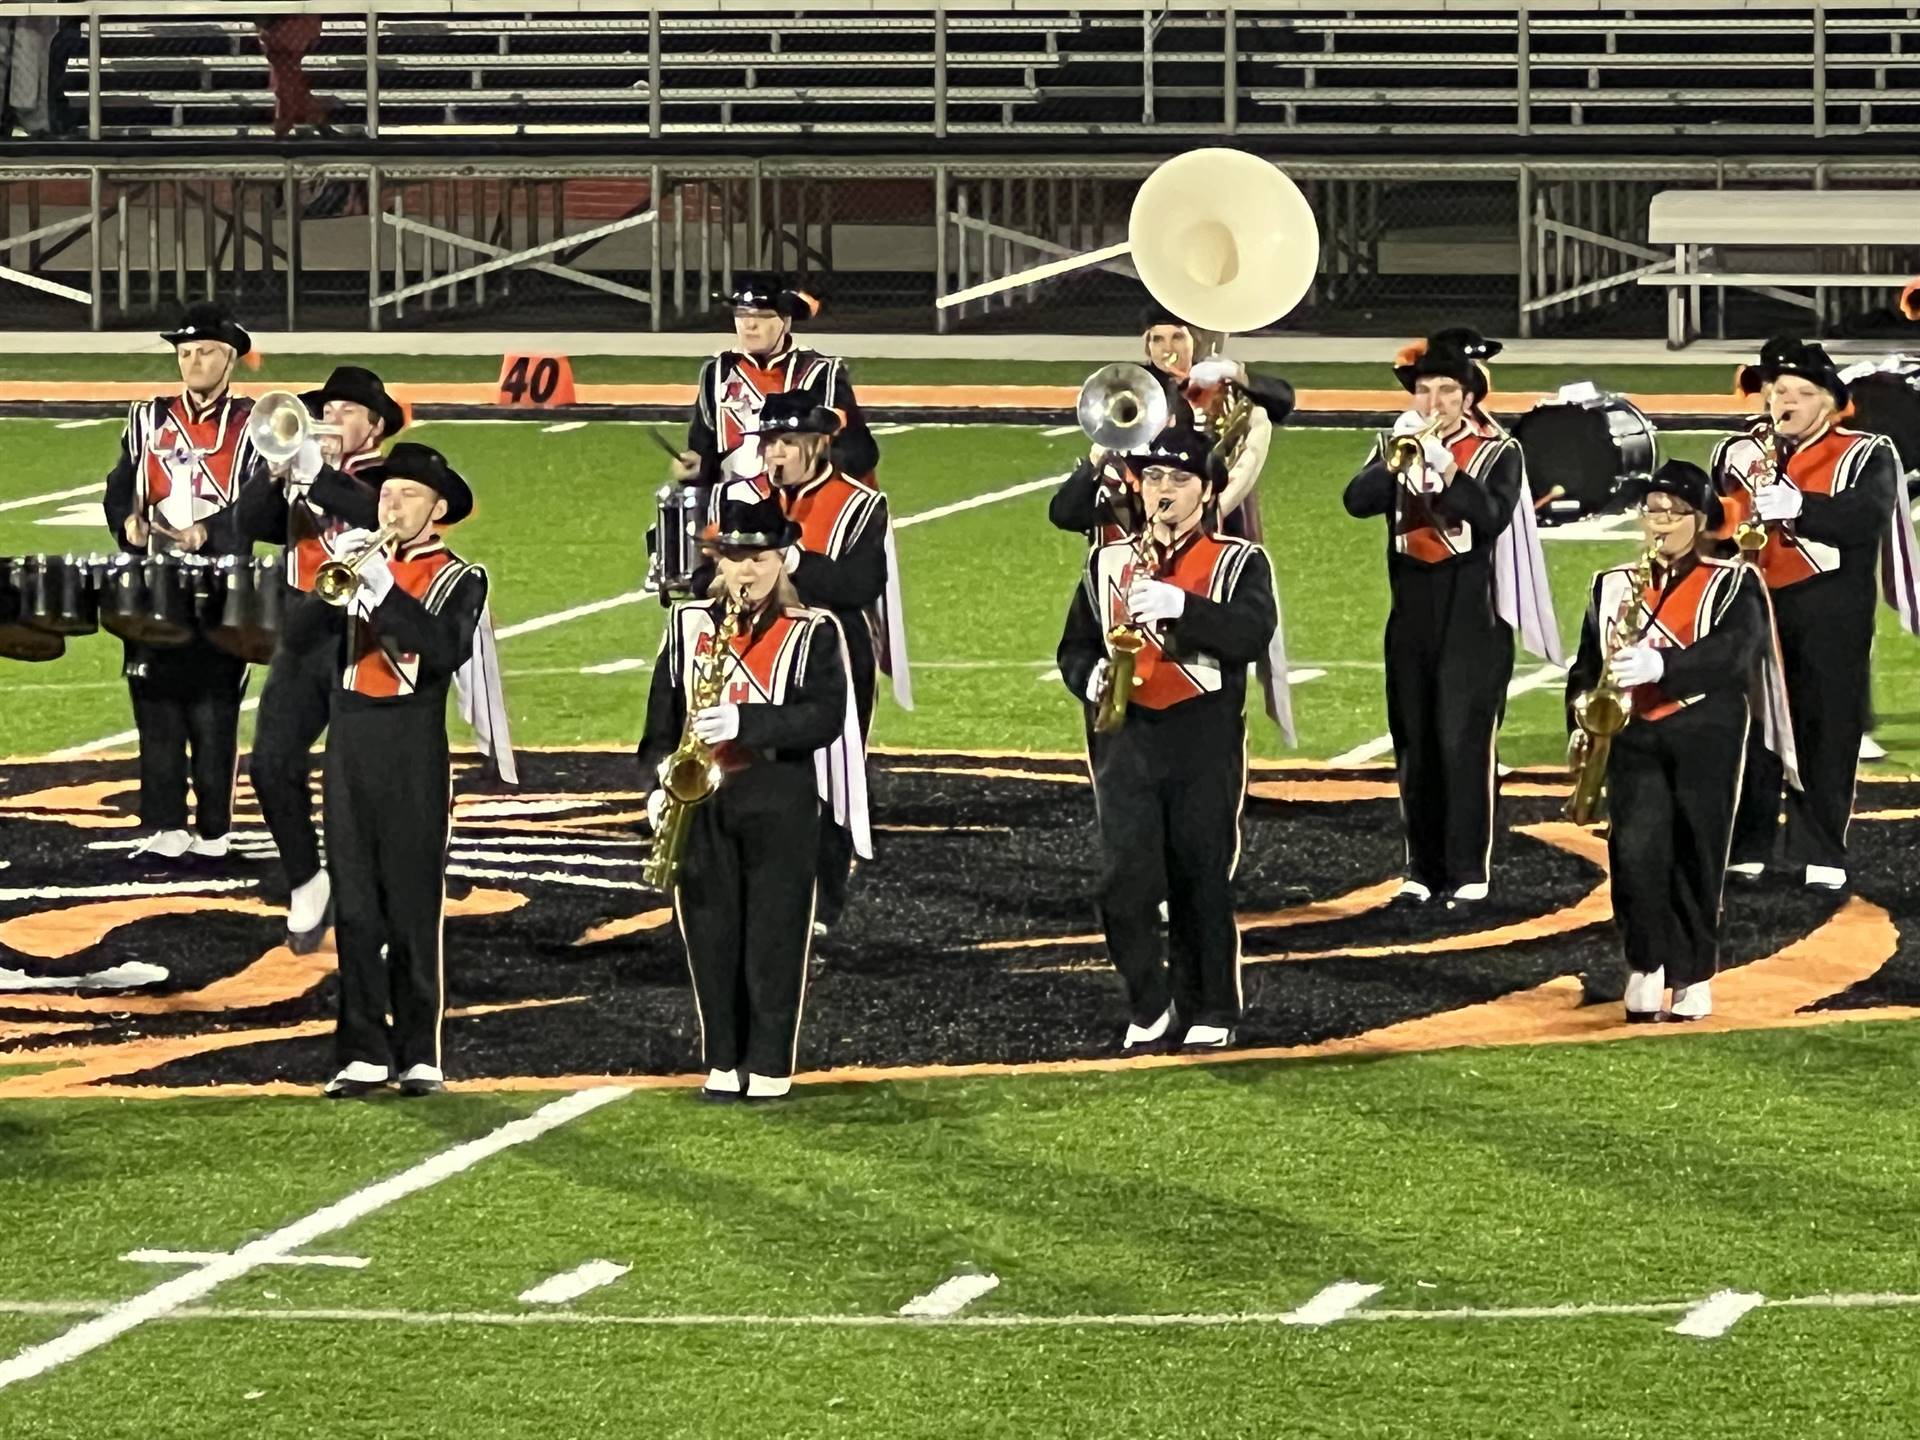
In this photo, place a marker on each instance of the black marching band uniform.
(305, 510)
(1819, 567)
(1079, 503)
(841, 560)
(1169, 783)
(1673, 773)
(1449, 654)
(181, 465)
(734, 385)
(744, 893)
(387, 790)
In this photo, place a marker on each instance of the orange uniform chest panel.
(376, 667)
(830, 513)
(1420, 532)
(1205, 566)
(311, 532)
(191, 466)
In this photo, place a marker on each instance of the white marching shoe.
(357, 1077)
(1691, 1002)
(1871, 749)
(1206, 1037)
(721, 1085)
(1826, 877)
(1414, 891)
(1139, 1035)
(417, 1080)
(309, 913)
(163, 845)
(1747, 870)
(1644, 991)
(1477, 890)
(768, 1087)
(214, 849)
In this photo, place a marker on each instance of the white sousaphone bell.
(1223, 239)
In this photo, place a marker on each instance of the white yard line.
(207, 1257)
(121, 892)
(974, 502)
(1231, 1319)
(551, 877)
(1380, 745)
(1054, 432)
(577, 612)
(29, 501)
(572, 1284)
(949, 1297)
(1717, 1314)
(171, 1295)
(563, 427)
(1336, 1302)
(88, 424)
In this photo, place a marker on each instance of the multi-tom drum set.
(164, 601)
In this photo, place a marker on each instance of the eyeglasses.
(1168, 476)
(1666, 515)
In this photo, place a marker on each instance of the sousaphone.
(1223, 239)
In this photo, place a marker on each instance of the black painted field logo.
(970, 943)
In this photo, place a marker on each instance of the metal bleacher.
(1258, 69)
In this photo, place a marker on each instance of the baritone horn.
(1121, 407)
(1222, 238)
(337, 579)
(280, 424)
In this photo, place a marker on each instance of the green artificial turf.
(1645, 1171)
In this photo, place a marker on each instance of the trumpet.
(691, 774)
(1602, 712)
(280, 425)
(1126, 641)
(1751, 534)
(337, 579)
(1404, 451)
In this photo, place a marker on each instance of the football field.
(1436, 1198)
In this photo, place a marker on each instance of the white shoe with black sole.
(359, 1077)
(722, 1087)
(768, 1087)
(418, 1080)
(1144, 1037)
(163, 845)
(1206, 1037)
(1826, 877)
(1645, 990)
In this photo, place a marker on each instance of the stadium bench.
(1836, 230)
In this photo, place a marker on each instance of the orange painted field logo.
(970, 945)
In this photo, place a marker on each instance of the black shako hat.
(1181, 449)
(1684, 481)
(361, 387)
(763, 290)
(208, 320)
(796, 412)
(1457, 354)
(409, 461)
(1809, 362)
(756, 524)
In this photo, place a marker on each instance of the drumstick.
(664, 443)
(1547, 499)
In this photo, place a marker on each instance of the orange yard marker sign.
(540, 380)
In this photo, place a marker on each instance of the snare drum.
(1886, 401)
(682, 510)
(245, 601)
(1582, 446)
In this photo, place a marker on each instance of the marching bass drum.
(1582, 445)
(1886, 401)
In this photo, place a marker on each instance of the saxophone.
(1602, 712)
(1751, 534)
(690, 775)
(1125, 641)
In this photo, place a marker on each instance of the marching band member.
(787, 738)
(330, 486)
(1464, 563)
(1167, 343)
(734, 384)
(411, 624)
(844, 561)
(1170, 781)
(1687, 651)
(1828, 498)
(185, 461)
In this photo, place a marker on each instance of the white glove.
(792, 559)
(1096, 680)
(656, 807)
(376, 577)
(718, 724)
(1215, 370)
(1151, 601)
(1439, 459)
(1638, 665)
(1409, 422)
(349, 542)
(305, 464)
(1777, 502)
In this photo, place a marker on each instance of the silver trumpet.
(280, 425)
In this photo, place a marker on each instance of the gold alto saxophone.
(1126, 641)
(1602, 712)
(1751, 534)
(690, 775)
